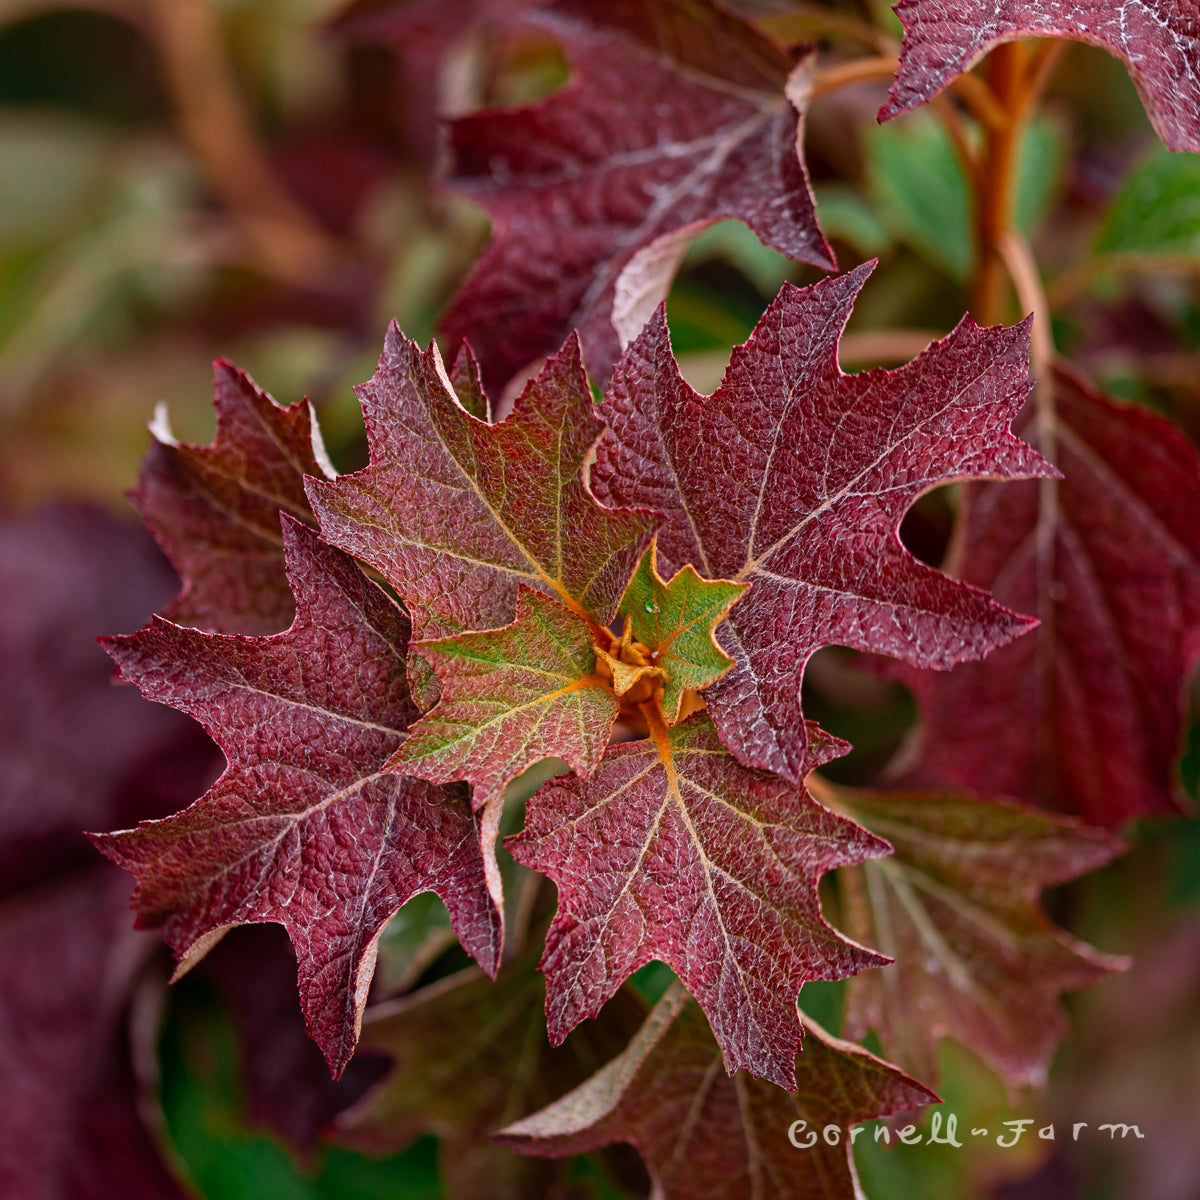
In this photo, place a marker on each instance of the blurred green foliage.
(1157, 210)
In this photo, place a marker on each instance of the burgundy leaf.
(957, 907)
(708, 1137)
(469, 1056)
(678, 115)
(674, 851)
(1085, 714)
(215, 509)
(421, 31)
(794, 477)
(1158, 40)
(78, 752)
(425, 35)
(457, 513)
(307, 826)
(286, 1083)
(69, 1123)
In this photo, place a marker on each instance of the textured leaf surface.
(705, 1136)
(674, 851)
(78, 752)
(215, 509)
(457, 513)
(676, 621)
(1158, 40)
(676, 116)
(470, 1056)
(794, 477)
(511, 697)
(69, 1124)
(957, 907)
(1085, 714)
(307, 826)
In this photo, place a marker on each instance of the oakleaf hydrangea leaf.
(957, 907)
(457, 513)
(511, 697)
(1085, 714)
(675, 621)
(674, 851)
(678, 114)
(215, 509)
(705, 1136)
(308, 826)
(794, 477)
(468, 1056)
(1158, 40)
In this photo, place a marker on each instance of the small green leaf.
(511, 697)
(1157, 211)
(677, 622)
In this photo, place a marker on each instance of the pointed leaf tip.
(458, 514)
(308, 826)
(674, 851)
(816, 469)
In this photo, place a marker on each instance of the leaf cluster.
(630, 578)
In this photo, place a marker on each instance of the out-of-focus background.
(251, 179)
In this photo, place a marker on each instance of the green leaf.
(511, 697)
(1039, 169)
(1157, 210)
(923, 196)
(921, 192)
(734, 242)
(676, 621)
(410, 941)
(844, 214)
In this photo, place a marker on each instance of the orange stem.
(997, 176)
(213, 120)
(858, 70)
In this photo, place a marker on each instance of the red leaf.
(285, 1080)
(471, 1055)
(676, 117)
(307, 826)
(457, 513)
(795, 477)
(421, 31)
(1085, 714)
(215, 509)
(1158, 40)
(957, 907)
(674, 851)
(708, 1137)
